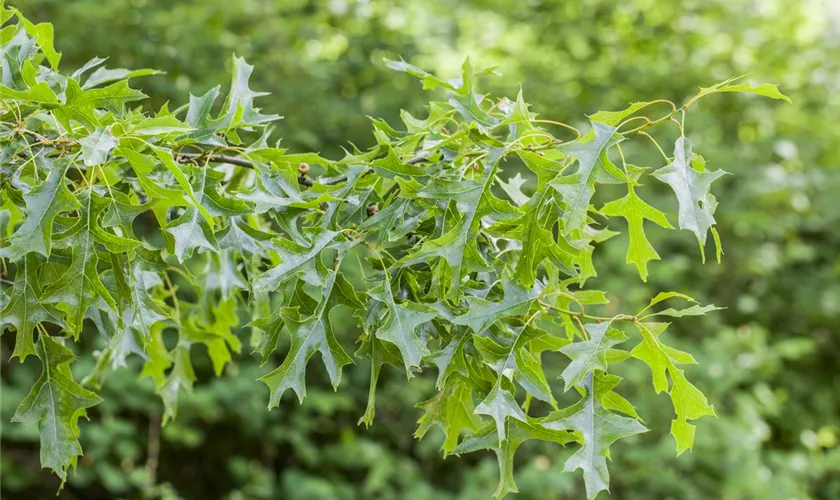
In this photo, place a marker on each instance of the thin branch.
(233, 160)
(302, 179)
(217, 158)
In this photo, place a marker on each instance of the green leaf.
(243, 238)
(662, 296)
(429, 81)
(635, 211)
(577, 189)
(694, 310)
(513, 188)
(38, 93)
(81, 105)
(457, 246)
(400, 326)
(599, 429)
(192, 229)
(198, 117)
(517, 432)
(96, 146)
(613, 118)
(195, 196)
(296, 260)
(453, 411)
(483, 313)
(590, 354)
(309, 335)
(499, 405)
(161, 196)
(144, 311)
(158, 125)
(545, 167)
(180, 377)
(763, 89)
(689, 402)
(80, 287)
(511, 357)
(379, 352)
(122, 342)
(533, 232)
(25, 308)
(611, 400)
(43, 203)
(692, 190)
(105, 75)
(55, 403)
(239, 107)
(45, 39)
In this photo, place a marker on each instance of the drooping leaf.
(191, 232)
(309, 335)
(511, 357)
(80, 287)
(55, 403)
(145, 311)
(518, 432)
(499, 405)
(635, 211)
(599, 429)
(453, 411)
(400, 326)
(689, 402)
(692, 190)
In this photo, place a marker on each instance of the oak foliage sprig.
(190, 225)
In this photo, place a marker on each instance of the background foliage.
(768, 362)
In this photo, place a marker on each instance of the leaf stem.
(574, 314)
(559, 124)
(661, 151)
(173, 294)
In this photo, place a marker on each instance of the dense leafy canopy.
(462, 270)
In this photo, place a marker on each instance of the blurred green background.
(769, 362)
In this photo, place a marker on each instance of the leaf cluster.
(464, 269)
